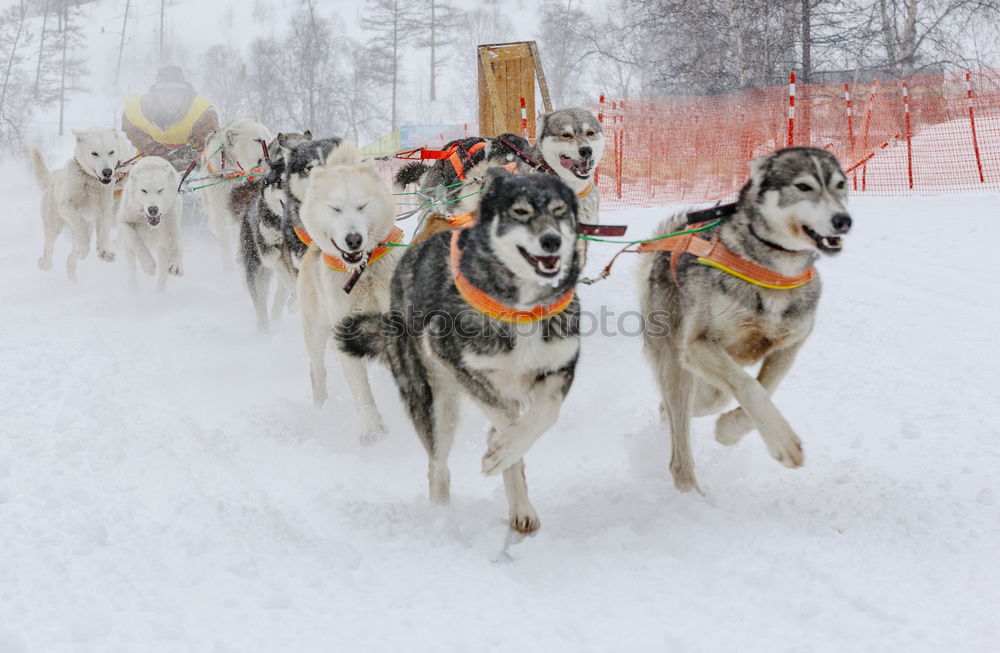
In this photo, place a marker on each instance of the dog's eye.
(94, 153)
(566, 136)
(335, 209)
(362, 207)
(805, 188)
(840, 185)
(520, 212)
(111, 153)
(309, 167)
(144, 192)
(590, 134)
(159, 191)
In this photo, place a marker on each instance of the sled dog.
(149, 219)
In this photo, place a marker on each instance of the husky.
(79, 196)
(704, 324)
(268, 245)
(230, 154)
(516, 362)
(349, 214)
(570, 145)
(441, 183)
(149, 219)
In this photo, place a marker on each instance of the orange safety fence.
(927, 134)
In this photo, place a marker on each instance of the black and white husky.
(711, 323)
(268, 244)
(490, 312)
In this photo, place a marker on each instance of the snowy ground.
(166, 484)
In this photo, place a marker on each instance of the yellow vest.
(176, 134)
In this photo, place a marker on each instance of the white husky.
(149, 219)
(79, 196)
(348, 213)
(235, 149)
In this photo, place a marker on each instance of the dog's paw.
(176, 270)
(732, 426)
(787, 449)
(500, 457)
(373, 434)
(525, 520)
(684, 479)
(106, 255)
(149, 267)
(44, 264)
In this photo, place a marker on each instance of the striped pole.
(972, 123)
(600, 119)
(850, 126)
(791, 109)
(524, 119)
(620, 132)
(909, 141)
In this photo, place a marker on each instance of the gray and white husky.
(570, 145)
(348, 212)
(521, 254)
(268, 244)
(79, 196)
(710, 324)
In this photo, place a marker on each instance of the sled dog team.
(483, 301)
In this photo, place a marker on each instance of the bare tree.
(13, 39)
(436, 28)
(565, 46)
(391, 23)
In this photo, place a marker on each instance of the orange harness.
(456, 161)
(335, 263)
(489, 306)
(714, 254)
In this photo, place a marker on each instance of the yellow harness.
(176, 134)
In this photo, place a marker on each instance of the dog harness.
(489, 306)
(335, 263)
(712, 253)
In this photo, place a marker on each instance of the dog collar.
(489, 306)
(335, 263)
(712, 253)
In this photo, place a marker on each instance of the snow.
(166, 484)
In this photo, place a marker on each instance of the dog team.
(483, 301)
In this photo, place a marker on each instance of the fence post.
(791, 109)
(850, 128)
(972, 123)
(600, 119)
(621, 146)
(909, 143)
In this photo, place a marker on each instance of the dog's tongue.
(569, 164)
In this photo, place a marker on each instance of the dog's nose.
(153, 210)
(841, 222)
(353, 241)
(586, 151)
(107, 172)
(550, 242)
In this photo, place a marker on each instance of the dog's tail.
(411, 173)
(364, 336)
(38, 167)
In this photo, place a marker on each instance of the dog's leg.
(677, 390)
(509, 442)
(81, 245)
(133, 284)
(105, 222)
(733, 425)
(52, 229)
(162, 263)
(520, 512)
(356, 373)
(279, 300)
(259, 282)
(315, 328)
(715, 364)
(173, 248)
(445, 404)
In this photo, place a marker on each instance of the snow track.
(166, 484)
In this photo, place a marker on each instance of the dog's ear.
(307, 134)
(229, 136)
(758, 166)
(282, 139)
(78, 134)
(345, 154)
(369, 166)
(495, 176)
